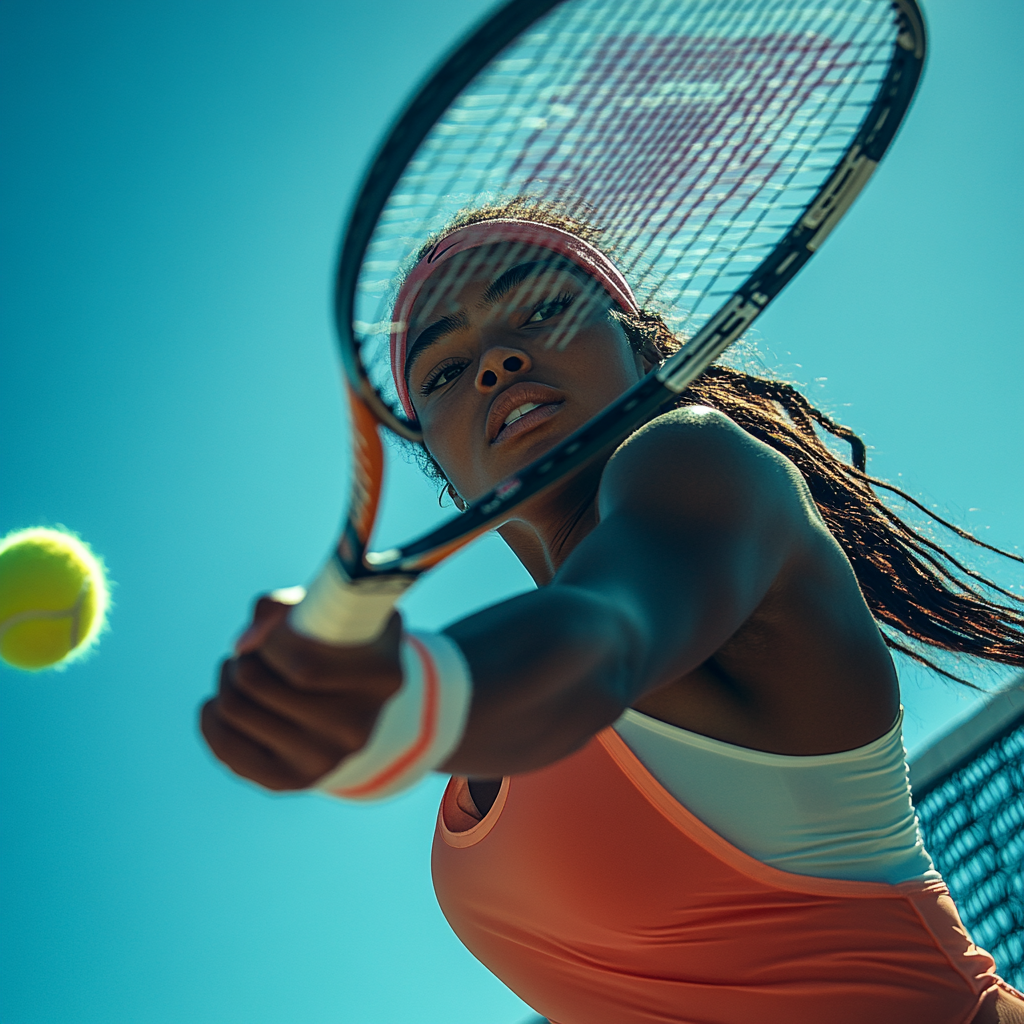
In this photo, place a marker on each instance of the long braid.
(911, 584)
(914, 587)
(799, 409)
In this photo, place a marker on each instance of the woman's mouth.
(525, 417)
(521, 407)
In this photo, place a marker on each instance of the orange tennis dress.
(599, 899)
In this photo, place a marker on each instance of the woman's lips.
(526, 404)
(527, 422)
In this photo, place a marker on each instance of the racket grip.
(338, 610)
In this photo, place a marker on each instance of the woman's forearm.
(550, 669)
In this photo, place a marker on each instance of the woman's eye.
(550, 308)
(442, 375)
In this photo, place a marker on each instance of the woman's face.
(508, 359)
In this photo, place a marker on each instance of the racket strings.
(645, 149)
(690, 135)
(718, 60)
(719, 248)
(595, 84)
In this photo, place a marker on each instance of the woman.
(680, 794)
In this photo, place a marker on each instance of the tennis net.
(969, 791)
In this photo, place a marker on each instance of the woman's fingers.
(289, 709)
(244, 756)
(267, 614)
(343, 718)
(372, 669)
(305, 753)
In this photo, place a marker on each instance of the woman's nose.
(499, 364)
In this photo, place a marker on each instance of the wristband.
(417, 728)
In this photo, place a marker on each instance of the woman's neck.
(548, 528)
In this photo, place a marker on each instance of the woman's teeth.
(518, 414)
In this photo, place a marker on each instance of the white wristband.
(416, 730)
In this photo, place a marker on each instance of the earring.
(456, 498)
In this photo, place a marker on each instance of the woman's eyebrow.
(517, 274)
(435, 332)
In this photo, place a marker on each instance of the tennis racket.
(715, 143)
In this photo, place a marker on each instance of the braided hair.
(918, 592)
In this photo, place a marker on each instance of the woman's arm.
(697, 521)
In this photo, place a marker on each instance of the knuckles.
(289, 709)
(344, 719)
(225, 727)
(232, 705)
(247, 674)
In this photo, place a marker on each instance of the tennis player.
(679, 792)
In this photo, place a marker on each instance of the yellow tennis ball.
(53, 598)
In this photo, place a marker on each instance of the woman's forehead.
(445, 291)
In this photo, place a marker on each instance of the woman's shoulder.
(733, 518)
(697, 457)
(697, 430)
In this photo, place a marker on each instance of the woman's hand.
(289, 709)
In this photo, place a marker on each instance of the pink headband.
(589, 259)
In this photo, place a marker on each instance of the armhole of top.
(452, 821)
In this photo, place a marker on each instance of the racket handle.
(340, 611)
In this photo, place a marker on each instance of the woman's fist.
(288, 709)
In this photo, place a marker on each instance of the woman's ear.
(456, 498)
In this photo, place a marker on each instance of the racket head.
(701, 142)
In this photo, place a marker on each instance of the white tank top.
(846, 815)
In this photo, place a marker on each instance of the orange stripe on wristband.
(428, 730)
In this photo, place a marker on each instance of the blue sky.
(174, 176)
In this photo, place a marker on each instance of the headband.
(589, 259)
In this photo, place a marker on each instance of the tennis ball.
(53, 598)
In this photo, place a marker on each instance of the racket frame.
(404, 564)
